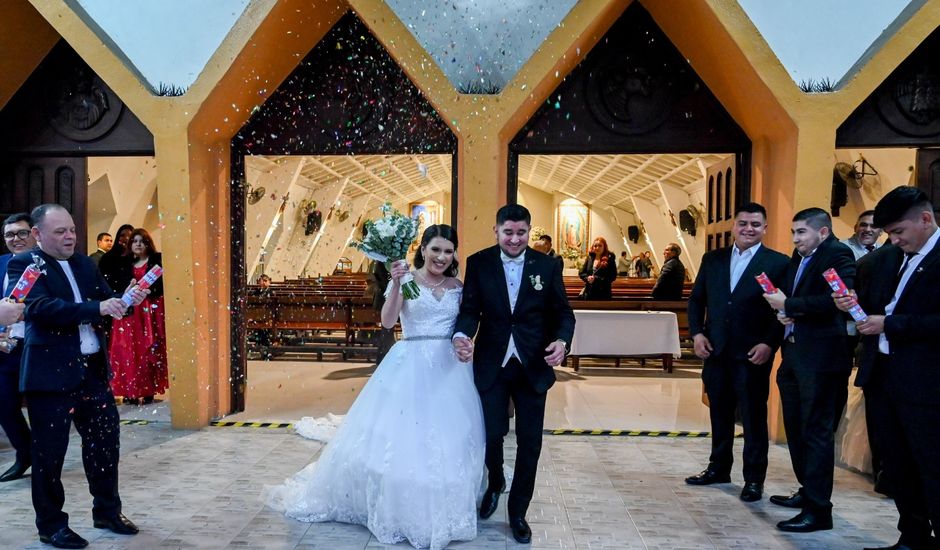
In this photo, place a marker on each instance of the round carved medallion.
(910, 103)
(628, 96)
(82, 107)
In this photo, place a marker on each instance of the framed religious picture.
(427, 213)
(573, 228)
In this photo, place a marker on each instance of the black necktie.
(870, 247)
(907, 261)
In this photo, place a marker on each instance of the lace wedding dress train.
(407, 459)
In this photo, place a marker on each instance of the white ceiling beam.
(401, 173)
(551, 174)
(321, 165)
(368, 173)
(574, 172)
(631, 176)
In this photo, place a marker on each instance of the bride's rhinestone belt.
(417, 338)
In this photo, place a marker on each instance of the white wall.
(541, 206)
(122, 190)
(894, 170)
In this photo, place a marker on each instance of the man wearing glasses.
(18, 238)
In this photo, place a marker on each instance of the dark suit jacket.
(670, 282)
(819, 328)
(912, 329)
(116, 270)
(96, 256)
(541, 316)
(9, 362)
(52, 351)
(739, 320)
(603, 277)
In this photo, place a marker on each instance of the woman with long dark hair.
(138, 341)
(113, 264)
(598, 272)
(407, 460)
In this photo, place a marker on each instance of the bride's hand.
(399, 270)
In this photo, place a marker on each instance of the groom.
(516, 297)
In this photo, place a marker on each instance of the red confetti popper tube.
(838, 286)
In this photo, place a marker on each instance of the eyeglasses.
(21, 234)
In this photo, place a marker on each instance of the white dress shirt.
(739, 262)
(912, 264)
(857, 248)
(89, 340)
(512, 267)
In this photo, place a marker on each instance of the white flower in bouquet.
(387, 240)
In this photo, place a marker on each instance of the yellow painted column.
(191, 281)
(481, 189)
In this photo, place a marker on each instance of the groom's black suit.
(541, 316)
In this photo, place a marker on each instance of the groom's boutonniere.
(536, 281)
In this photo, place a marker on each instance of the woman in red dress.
(138, 341)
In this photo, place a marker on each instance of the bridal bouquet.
(387, 240)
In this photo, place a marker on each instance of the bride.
(407, 460)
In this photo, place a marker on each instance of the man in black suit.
(18, 236)
(516, 298)
(105, 242)
(64, 375)
(737, 334)
(813, 377)
(897, 289)
(671, 277)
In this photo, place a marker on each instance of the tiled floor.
(201, 489)
(594, 398)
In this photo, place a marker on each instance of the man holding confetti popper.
(813, 377)
(64, 375)
(899, 322)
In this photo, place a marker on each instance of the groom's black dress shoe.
(490, 500)
(752, 491)
(16, 471)
(117, 524)
(895, 546)
(520, 530)
(793, 501)
(64, 538)
(708, 476)
(806, 522)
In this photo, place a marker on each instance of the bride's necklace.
(427, 282)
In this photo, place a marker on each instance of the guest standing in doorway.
(598, 272)
(138, 341)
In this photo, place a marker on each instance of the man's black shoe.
(806, 522)
(708, 476)
(752, 491)
(520, 530)
(64, 538)
(16, 471)
(883, 485)
(490, 500)
(793, 501)
(117, 524)
(895, 546)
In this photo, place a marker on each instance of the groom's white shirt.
(512, 267)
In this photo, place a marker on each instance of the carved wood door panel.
(928, 174)
(27, 182)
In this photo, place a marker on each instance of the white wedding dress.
(407, 459)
